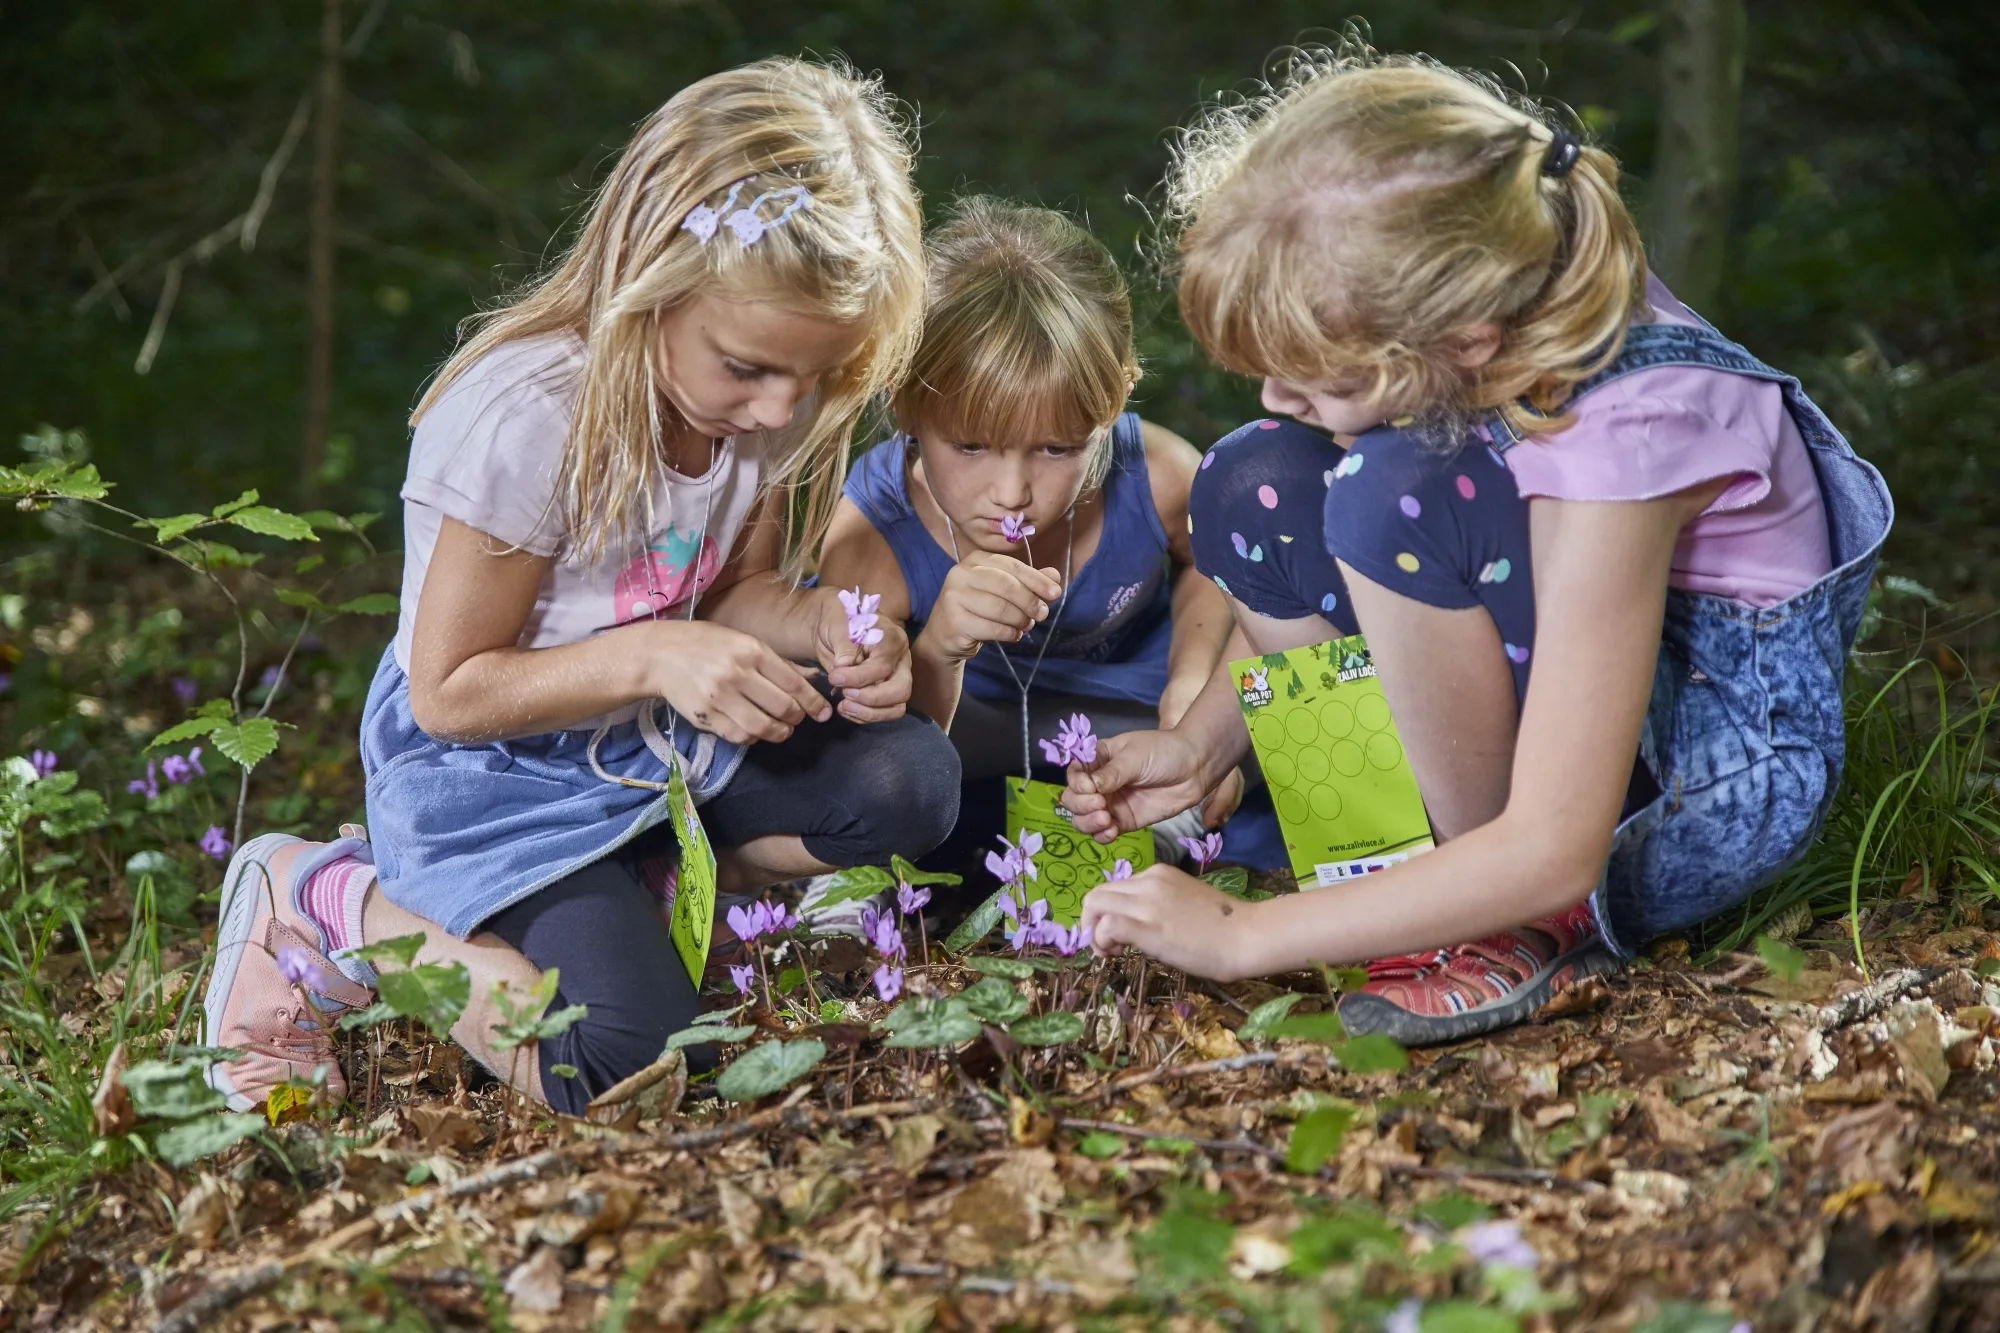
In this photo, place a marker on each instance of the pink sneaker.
(250, 1005)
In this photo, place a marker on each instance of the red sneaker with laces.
(1454, 994)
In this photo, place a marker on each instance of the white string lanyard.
(662, 745)
(1048, 637)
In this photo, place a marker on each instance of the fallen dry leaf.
(111, 1105)
(441, 1126)
(912, 1140)
(536, 1286)
(1872, 1143)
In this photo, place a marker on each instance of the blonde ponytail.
(1343, 226)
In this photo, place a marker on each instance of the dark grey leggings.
(856, 794)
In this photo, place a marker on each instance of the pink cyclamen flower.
(1074, 742)
(1018, 865)
(1204, 849)
(216, 843)
(882, 933)
(861, 616)
(44, 762)
(888, 982)
(1120, 869)
(296, 966)
(778, 918)
(1024, 921)
(910, 899)
(746, 920)
(742, 976)
(185, 690)
(1499, 1244)
(148, 786)
(1016, 528)
(175, 768)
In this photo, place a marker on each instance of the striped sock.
(331, 899)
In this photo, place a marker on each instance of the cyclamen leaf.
(274, 523)
(168, 529)
(185, 731)
(170, 1090)
(854, 883)
(371, 604)
(401, 950)
(433, 994)
(765, 1069)
(243, 501)
(1052, 1029)
(909, 874)
(192, 1140)
(994, 1000)
(250, 742)
(1266, 1015)
(993, 965)
(708, 1034)
(921, 1024)
(975, 927)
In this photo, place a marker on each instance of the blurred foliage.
(473, 130)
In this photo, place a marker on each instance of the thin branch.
(230, 1289)
(156, 331)
(449, 168)
(267, 180)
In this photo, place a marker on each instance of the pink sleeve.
(1656, 432)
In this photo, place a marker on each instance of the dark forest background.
(1857, 246)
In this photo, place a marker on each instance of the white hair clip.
(745, 222)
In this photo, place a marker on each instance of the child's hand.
(874, 682)
(1174, 917)
(733, 684)
(988, 598)
(1140, 778)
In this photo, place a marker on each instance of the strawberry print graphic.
(665, 577)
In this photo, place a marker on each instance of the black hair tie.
(1564, 149)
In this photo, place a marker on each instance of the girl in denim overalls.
(1609, 563)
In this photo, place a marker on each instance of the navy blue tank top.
(1116, 627)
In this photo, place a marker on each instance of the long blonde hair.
(855, 254)
(1339, 227)
(1027, 333)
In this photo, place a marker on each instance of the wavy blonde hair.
(1339, 227)
(1027, 333)
(856, 254)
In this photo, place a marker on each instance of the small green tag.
(1070, 863)
(694, 897)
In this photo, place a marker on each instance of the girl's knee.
(902, 800)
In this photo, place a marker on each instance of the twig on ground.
(1228, 1064)
(1508, 1174)
(1873, 998)
(233, 1288)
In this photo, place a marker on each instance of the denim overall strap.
(1744, 731)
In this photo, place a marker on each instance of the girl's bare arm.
(1202, 621)
(471, 682)
(1600, 592)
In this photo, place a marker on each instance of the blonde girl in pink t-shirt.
(1608, 564)
(613, 487)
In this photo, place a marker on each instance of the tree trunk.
(320, 253)
(1694, 179)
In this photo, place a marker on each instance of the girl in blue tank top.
(1031, 532)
